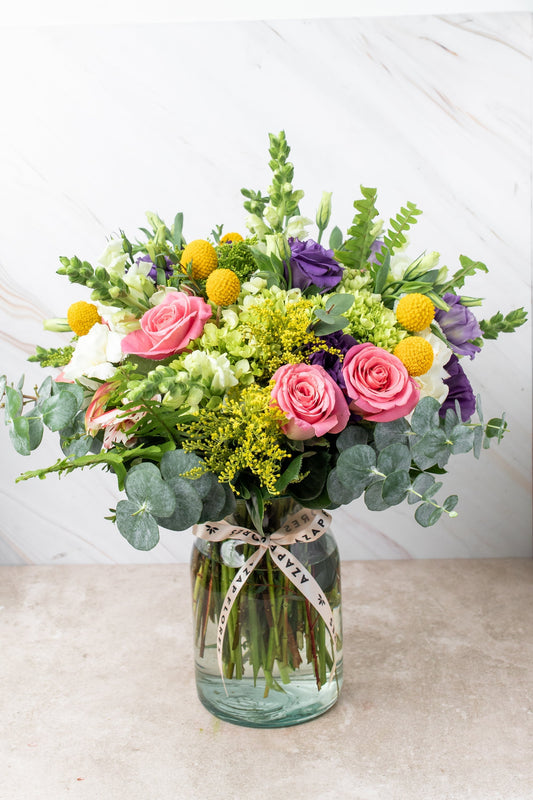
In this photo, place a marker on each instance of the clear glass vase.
(277, 652)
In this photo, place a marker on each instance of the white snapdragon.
(95, 354)
(114, 259)
(297, 227)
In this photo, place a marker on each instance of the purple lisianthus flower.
(331, 361)
(169, 267)
(459, 325)
(312, 264)
(375, 247)
(459, 388)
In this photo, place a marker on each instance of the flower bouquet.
(245, 385)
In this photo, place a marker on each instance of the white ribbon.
(304, 526)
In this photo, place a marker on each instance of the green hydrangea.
(238, 257)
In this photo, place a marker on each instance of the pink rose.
(378, 384)
(168, 327)
(311, 400)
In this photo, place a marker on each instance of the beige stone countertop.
(98, 699)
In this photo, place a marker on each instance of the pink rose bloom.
(310, 399)
(168, 327)
(378, 384)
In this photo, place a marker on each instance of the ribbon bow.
(304, 526)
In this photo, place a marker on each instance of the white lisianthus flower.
(297, 227)
(277, 245)
(114, 259)
(400, 262)
(95, 355)
(432, 384)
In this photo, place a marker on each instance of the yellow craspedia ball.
(231, 237)
(416, 354)
(223, 287)
(415, 312)
(82, 316)
(203, 256)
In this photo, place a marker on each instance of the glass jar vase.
(278, 660)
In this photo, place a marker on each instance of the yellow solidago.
(244, 434)
(279, 334)
(82, 316)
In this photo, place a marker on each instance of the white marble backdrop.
(101, 123)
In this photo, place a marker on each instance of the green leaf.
(177, 463)
(478, 441)
(450, 502)
(335, 324)
(374, 498)
(382, 274)
(145, 486)
(395, 432)
(289, 475)
(35, 429)
(421, 484)
(339, 493)
(188, 506)
(59, 410)
(394, 457)
(395, 487)
(356, 467)
(462, 439)
(495, 428)
(46, 388)
(497, 324)
(335, 238)
(137, 526)
(19, 433)
(213, 503)
(350, 436)
(427, 514)
(430, 449)
(339, 303)
(13, 404)
(426, 415)
(177, 231)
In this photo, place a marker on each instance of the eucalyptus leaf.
(430, 449)
(137, 526)
(58, 410)
(421, 484)
(187, 509)
(177, 463)
(426, 415)
(462, 439)
(374, 498)
(73, 388)
(35, 428)
(213, 502)
(339, 493)
(322, 328)
(19, 433)
(350, 436)
(427, 514)
(450, 502)
(46, 387)
(394, 457)
(386, 433)
(356, 465)
(145, 486)
(395, 487)
(13, 404)
(478, 441)
(339, 303)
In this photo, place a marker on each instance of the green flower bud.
(323, 213)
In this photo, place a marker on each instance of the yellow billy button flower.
(416, 354)
(82, 316)
(203, 256)
(231, 238)
(415, 312)
(222, 287)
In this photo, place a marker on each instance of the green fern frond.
(356, 250)
(395, 236)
